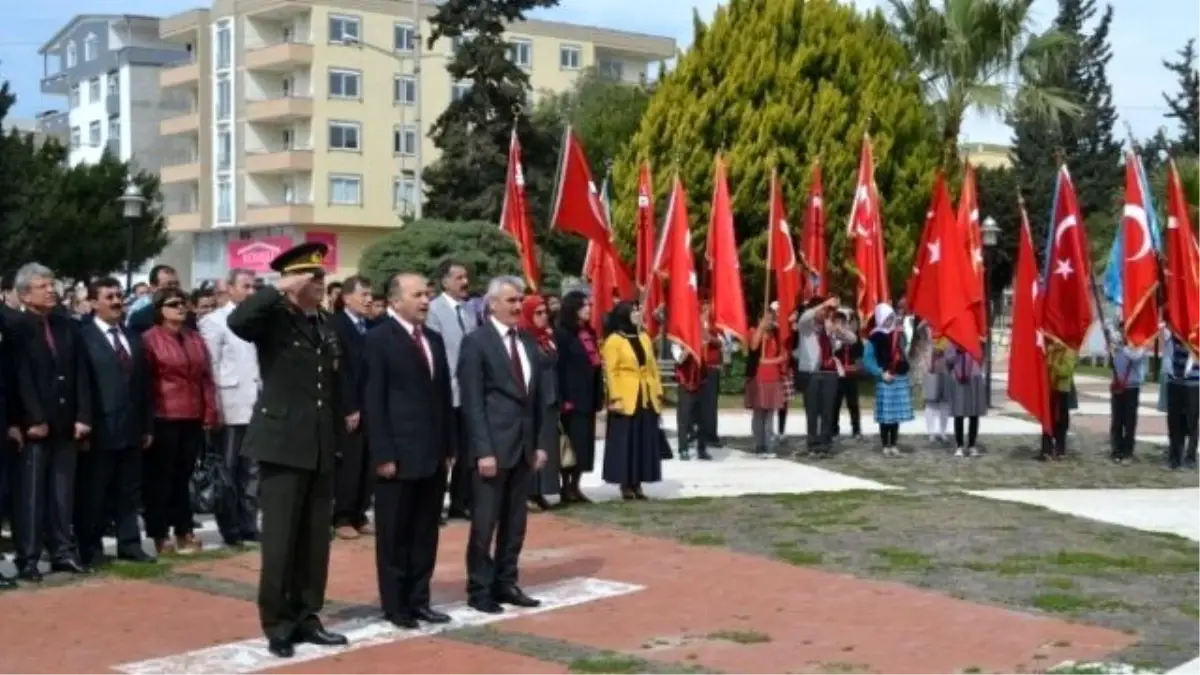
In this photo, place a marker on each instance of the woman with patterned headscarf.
(885, 358)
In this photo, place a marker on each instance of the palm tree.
(983, 55)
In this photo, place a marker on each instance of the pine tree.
(783, 82)
(1185, 104)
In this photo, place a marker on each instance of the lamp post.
(132, 203)
(989, 233)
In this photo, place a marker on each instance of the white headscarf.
(883, 314)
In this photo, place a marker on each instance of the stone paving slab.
(1171, 511)
(430, 655)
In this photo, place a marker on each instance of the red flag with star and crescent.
(683, 295)
(514, 216)
(1067, 300)
(1028, 376)
(865, 232)
(813, 253)
(1182, 268)
(782, 259)
(968, 222)
(1139, 263)
(914, 282)
(725, 274)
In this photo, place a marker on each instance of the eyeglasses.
(173, 304)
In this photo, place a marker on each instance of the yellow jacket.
(624, 378)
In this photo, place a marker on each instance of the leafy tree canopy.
(784, 82)
(423, 245)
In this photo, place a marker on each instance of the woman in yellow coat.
(632, 455)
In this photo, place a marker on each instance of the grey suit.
(510, 421)
(454, 322)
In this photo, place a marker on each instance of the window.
(94, 89)
(224, 202)
(224, 101)
(114, 83)
(458, 90)
(73, 96)
(90, 47)
(569, 57)
(224, 149)
(613, 70)
(286, 140)
(345, 189)
(404, 189)
(404, 140)
(72, 55)
(404, 90)
(405, 36)
(345, 136)
(114, 129)
(94, 134)
(75, 138)
(345, 84)
(344, 29)
(224, 51)
(520, 52)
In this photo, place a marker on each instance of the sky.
(1144, 33)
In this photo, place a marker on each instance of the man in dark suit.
(6, 368)
(507, 408)
(10, 316)
(55, 415)
(293, 435)
(412, 441)
(352, 494)
(111, 469)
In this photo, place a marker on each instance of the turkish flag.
(781, 259)
(866, 235)
(1139, 263)
(514, 214)
(577, 207)
(922, 253)
(683, 298)
(725, 274)
(1028, 376)
(813, 251)
(943, 297)
(968, 222)
(1067, 302)
(644, 235)
(1182, 267)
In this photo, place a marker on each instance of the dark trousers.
(460, 476)
(407, 513)
(237, 508)
(820, 397)
(847, 392)
(296, 509)
(970, 434)
(710, 392)
(499, 515)
(8, 481)
(45, 494)
(352, 480)
(167, 472)
(696, 414)
(108, 488)
(889, 434)
(1056, 443)
(1182, 416)
(1123, 429)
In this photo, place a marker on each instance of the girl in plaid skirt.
(766, 366)
(884, 359)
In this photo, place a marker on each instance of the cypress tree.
(1185, 104)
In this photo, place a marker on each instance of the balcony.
(282, 109)
(184, 222)
(188, 123)
(296, 160)
(185, 75)
(280, 58)
(180, 170)
(279, 214)
(184, 26)
(55, 84)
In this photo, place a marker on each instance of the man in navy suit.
(352, 492)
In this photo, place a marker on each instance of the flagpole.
(558, 172)
(771, 215)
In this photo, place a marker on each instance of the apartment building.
(106, 68)
(307, 117)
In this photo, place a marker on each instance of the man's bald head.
(408, 297)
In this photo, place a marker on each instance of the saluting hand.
(292, 282)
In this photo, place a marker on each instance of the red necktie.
(420, 340)
(514, 358)
(119, 347)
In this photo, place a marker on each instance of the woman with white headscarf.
(884, 358)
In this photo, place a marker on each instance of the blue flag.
(1114, 274)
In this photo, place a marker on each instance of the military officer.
(292, 437)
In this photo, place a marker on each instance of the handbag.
(565, 451)
(208, 483)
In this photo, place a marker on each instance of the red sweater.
(181, 378)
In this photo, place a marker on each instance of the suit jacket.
(500, 422)
(9, 318)
(53, 385)
(444, 319)
(234, 365)
(410, 413)
(353, 363)
(122, 410)
(580, 384)
(295, 421)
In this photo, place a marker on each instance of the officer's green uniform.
(292, 436)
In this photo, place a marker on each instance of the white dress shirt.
(522, 356)
(410, 329)
(106, 329)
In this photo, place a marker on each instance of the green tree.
(1189, 176)
(784, 82)
(1185, 103)
(982, 55)
(997, 192)
(1086, 143)
(421, 246)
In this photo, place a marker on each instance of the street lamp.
(990, 233)
(132, 204)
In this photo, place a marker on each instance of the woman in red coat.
(181, 382)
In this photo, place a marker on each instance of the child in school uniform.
(1129, 371)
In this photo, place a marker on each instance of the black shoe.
(7, 583)
(405, 621)
(321, 637)
(283, 649)
(136, 556)
(513, 595)
(431, 615)
(458, 514)
(251, 537)
(70, 566)
(702, 454)
(486, 605)
(30, 573)
(684, 455)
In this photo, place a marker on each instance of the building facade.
(106, 68)
(308, 118)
